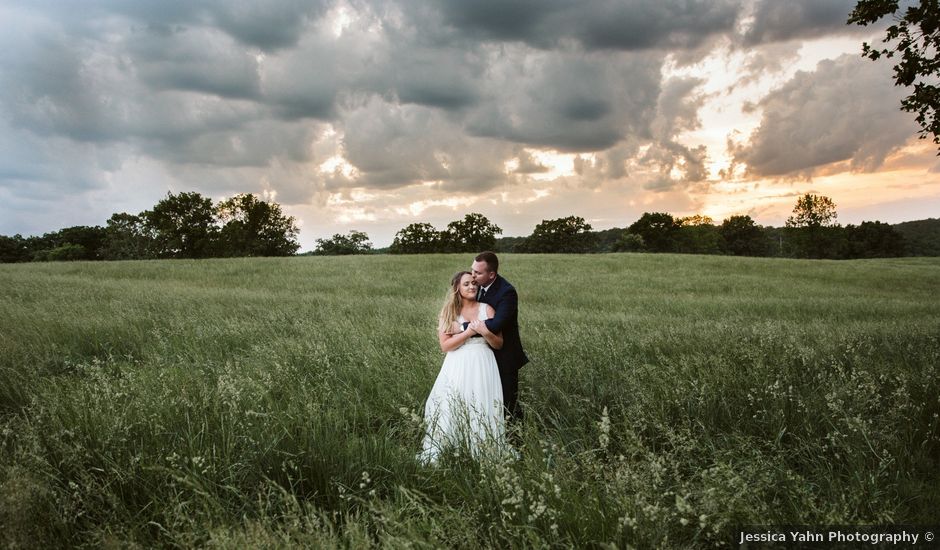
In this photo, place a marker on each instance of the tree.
(474, 233)
(742, 237)
(695, 220)
(813, 211)
(183, 226)
(509, 244)
(67, 252)
(658, 230)
(915, 35)
(356, 242)
(812, 230)
(874, 240)
(78, 242)
(92, 239)
(186, 225)
(571, 235)
(629, 242)
(416, 238)
(127, 237)
(253, 227)
(698, 235)
(14, 249)
(607, 239)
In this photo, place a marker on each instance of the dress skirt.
(464, 410)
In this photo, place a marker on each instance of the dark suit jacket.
(502, 296)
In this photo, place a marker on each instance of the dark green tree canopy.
(253, 227)
(915, 36)
(354, 242)
(67, 252)
(80, 242)
(474, 233)
(416, 238)
(629, 242)
(874, 240)
(658, 231)
(14, 249)
(813, 211)
(562, 235)
(812, 230)
(183, 226)
(741, 236)
(128, 238)
(90, 238)
(698, 235)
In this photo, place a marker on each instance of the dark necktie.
(481, 294)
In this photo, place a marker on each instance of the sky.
(370, 115)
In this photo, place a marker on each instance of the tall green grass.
(277, 402)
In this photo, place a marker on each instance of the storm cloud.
(845, 110)
(595, 24)
(430, 104)
(775, 21)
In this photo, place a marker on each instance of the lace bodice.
(481, 314)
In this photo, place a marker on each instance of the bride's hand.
(479, 327)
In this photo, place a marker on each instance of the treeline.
(189, 225)
(811, 232)
(471, 234)
(737, 236)
(185, 225)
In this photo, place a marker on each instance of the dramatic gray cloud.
(90, 90)
(371, 109)
(394, 145)
(196, 59)
(568, 101)
(272, 25)
(845, 110)
(40, 168)
(775, 21)
(595, 24)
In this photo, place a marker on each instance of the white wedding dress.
(465, 407)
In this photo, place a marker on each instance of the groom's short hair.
(491, 260)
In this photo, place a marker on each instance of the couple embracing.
(477, 388)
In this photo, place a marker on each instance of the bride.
(465, 407)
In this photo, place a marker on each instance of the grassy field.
(276, 402)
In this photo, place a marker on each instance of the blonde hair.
(452, 303)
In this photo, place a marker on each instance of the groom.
(497, 292)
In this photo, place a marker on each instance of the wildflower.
(604, 426)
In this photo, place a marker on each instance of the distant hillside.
(921, 237)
